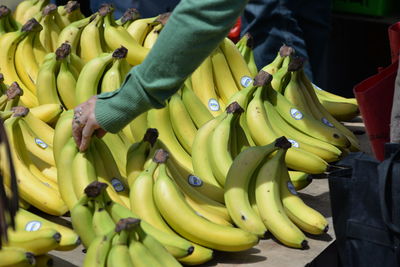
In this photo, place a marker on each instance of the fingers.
(87, 133)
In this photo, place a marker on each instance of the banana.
(142, 201)
(276, 64)
(208, 185)
(27, 221)
(65, 173)
(62, 133)
(38, 242)
(300, 180)
(83, 172)
(218, 147)
(116, 35)
(25, 62)
(49, 113)
(160, 119)
(67, 14)
(44, 260)
(138, 126)
(141, 255)
(32, 11)
(88, 80)
(197, 111)
(35, 145)
(102, 221)
(187, 183)
(113, 78)
(199, 256)
(117, 182)
(65, 79)
(204, 87)
(262, 133)
(294, 93)
(237, 184)
(205, 213)
(306, 218)
(46, 85)
(117, 146)
(16, 256)
(98, 250)
(326, 117)
(104, 177)
(340, 110)
(120, 254)
(324, 150)
(176, 245)
(269, 202)
(38, 49)
(238, 66)
(90, 41)
(71, 33)
(8, 43)
(50, 33)
(304, 122)
(137, 155)
(139, 28)
(81, 219)
(224, 81)
(184, 128)
(156, 248)
(173, 208)
(31, 188)
(129, 16)
(21, 9)
(152, 36)
(40, 128)
(245, 46)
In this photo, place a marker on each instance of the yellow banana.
(47, 81)
(116, 35)
(139, 28)
(182, 125)
(204, 87)
(173, 208)
(224, 81)
(305, 217)
(269, 202)
(66, 82)
(49, 113)
(90, 40)
(237, 64)
(12, 256)
(31, 188)
(71, 33)
(113, 78)
(28, 221)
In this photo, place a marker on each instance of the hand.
(84, 124)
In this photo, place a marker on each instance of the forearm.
(194, 29)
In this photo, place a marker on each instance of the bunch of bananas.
(341, 108)
(95, 216)
(33, 238)
(213, 156)
(259, 195)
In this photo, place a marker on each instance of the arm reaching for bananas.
(193, 30)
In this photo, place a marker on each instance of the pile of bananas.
(214, 156)
(33, 237)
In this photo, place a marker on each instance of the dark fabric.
(303, 24)
(365, 197)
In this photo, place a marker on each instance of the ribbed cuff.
(116, 109)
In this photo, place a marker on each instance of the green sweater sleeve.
(193, 30)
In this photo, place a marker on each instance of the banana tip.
(304, 244)
(190, 250)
